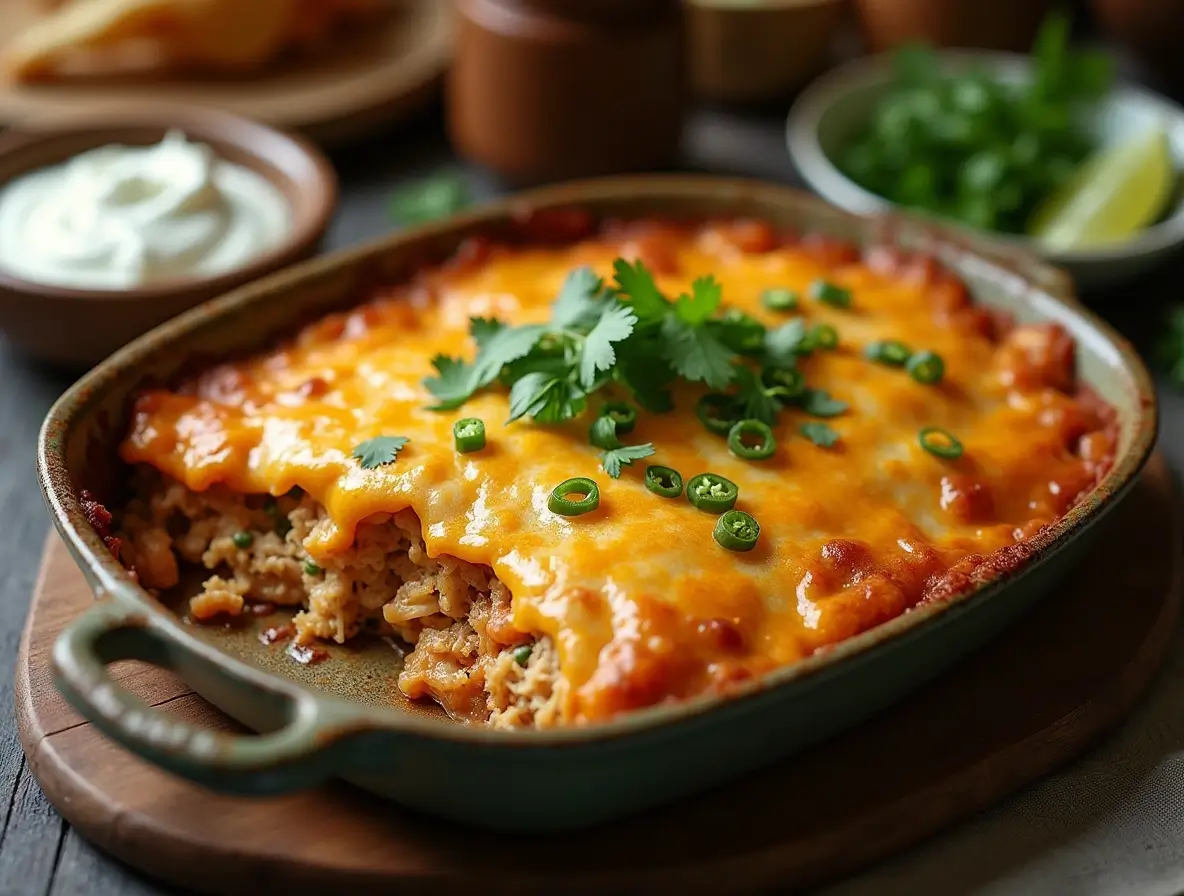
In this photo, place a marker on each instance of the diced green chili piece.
(469, 434)
(718, 412)
(824, 336)
(830, 294)
(560, 503)
(625, 416)
(889, 352)
(778, 299)
(737, 531)
(784, 383)
(926, 367)
(742, 435)
(664, 482)
(940, 443)
(712, 493)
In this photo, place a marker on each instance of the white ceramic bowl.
(832, 111)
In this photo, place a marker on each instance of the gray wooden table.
(39, 852)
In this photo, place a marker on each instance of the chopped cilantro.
(820, 434)
(820, 404)
(603, 434)
(451, 386)
(695, 354)
(579, 303)
(379, 451)
(615, 324)
(625, 455)
(701, 303)
(638, 284)
(439, 196)
(483, 328)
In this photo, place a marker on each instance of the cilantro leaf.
(614, 459)
(819, 433)
(696, 353)
(701, 303)
(615, 324)
(640, 367)
(379, 451)
(545, 397)
(482, 329)
(506, 345)
(740, 331)
(820, 404)
(638, 284)
(603, 433)
(452, 387)
(439, 196)
(755, 399)
(580, 301)
(784, 344)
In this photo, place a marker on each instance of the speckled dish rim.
(1022, 270)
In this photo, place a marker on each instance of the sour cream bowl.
(76, 320)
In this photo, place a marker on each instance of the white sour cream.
(125, 216)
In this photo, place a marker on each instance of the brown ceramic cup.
(75, 327)
(550, 89)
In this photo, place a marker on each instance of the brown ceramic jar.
(550, 89)
(979, 24)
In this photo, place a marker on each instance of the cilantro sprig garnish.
(379, 451)
(603, 434)
(630, 335)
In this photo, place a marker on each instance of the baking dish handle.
(299, 753)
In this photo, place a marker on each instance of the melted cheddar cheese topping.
(640, 601)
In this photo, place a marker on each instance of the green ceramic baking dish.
(340, 718)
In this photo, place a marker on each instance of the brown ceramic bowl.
(78, 327)
(745, 52)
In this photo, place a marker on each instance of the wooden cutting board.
(360, 83)
(1024, 705)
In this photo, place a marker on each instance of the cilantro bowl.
(836, 111)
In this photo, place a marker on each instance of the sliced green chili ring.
(311, 569)
(469, 434)
(830, 294)
(663, 481)
(940, 443)
(785, 382)
(242, 540)
(747, 429)
(824, 336)
(560, 504)
(888, 352)
(522, 654)
(712, 493)
(737, 531)
(741, 332)
(625, 416)
(778, 299)
(926, 368)
(718, 412)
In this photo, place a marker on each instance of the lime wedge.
(1116, 193)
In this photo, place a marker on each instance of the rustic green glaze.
(344, 717)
